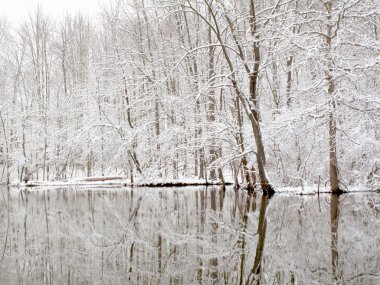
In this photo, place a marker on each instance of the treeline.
(264, 92)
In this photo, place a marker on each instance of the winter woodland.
(263, 93)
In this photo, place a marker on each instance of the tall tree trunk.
(251, 108)
(192, 68)
(211, 100)
(289, 63)
(253, 82)
(6, 144)
(240, 142)
(333, 161)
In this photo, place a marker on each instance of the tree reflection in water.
(334, 216)
(261, 231)
(187, 236)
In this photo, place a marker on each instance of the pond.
(186, 235)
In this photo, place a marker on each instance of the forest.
(264, 94)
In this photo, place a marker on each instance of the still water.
(187, 236)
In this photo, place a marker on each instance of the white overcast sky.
(16, 11)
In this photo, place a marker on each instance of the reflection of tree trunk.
(334, 217)
(200, 229)
(244, 211)
(8, 225)
(47, 247)
(199, 247)
(242, 236)
(131, 250)
(214, 228)
(261, 230)
(222, 193)
(159, 248)
(235, 207)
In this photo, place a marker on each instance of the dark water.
(187, 236)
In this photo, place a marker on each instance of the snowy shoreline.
(120, 182)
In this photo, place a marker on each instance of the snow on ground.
(119, 182)
(313, 189)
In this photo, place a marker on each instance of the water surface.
(187, 236)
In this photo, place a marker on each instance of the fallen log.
(96, 179)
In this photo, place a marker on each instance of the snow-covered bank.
(313, 189)
(118, 182)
